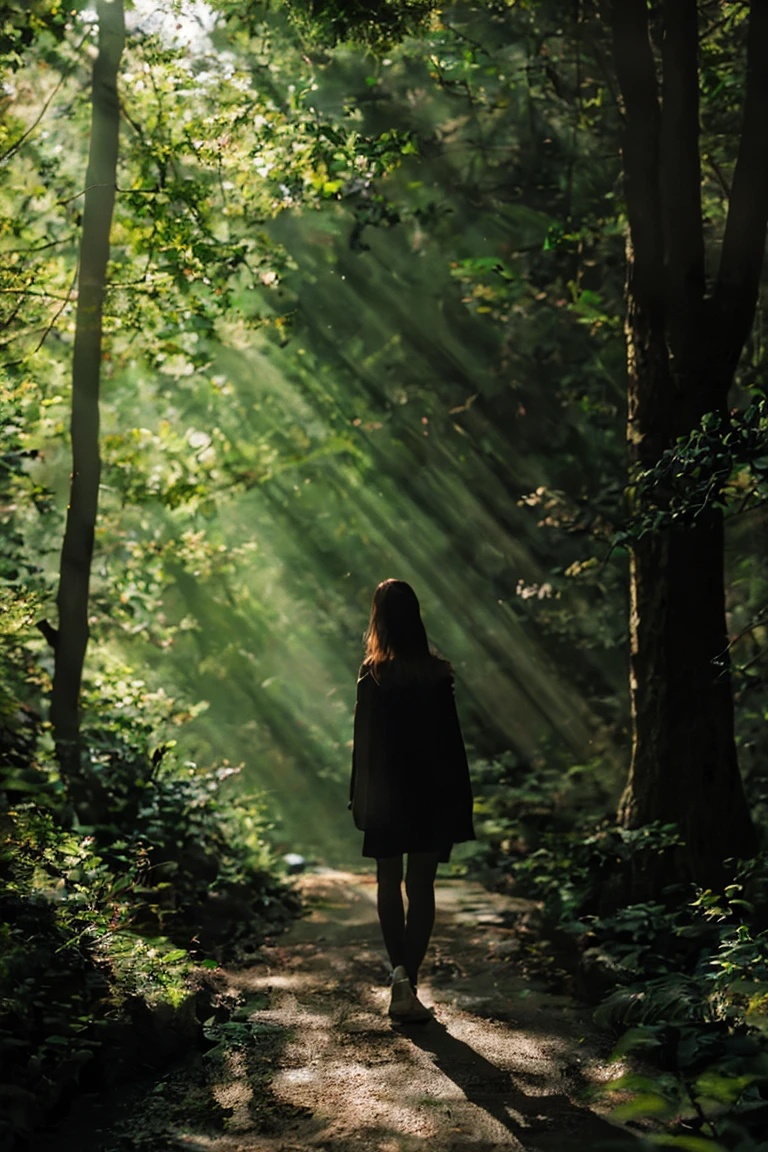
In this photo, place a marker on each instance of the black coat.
(410, 778)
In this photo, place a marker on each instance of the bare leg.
(420, 889)
(389, 904)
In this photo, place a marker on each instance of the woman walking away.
(410, 790)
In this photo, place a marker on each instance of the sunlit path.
(501, 1066)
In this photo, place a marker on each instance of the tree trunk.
(684, 768)
(77, 548)
(682, 351)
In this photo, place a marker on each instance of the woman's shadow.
(546, 1123)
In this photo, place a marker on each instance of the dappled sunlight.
(534, 1056)
(295, 982)
(341, 1075)
(317, 1063)
(342, 1091)
(234, 1090)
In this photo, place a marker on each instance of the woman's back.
(409, 762)
(410, 788)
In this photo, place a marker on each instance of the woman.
(410, 790)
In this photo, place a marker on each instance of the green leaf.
(648, 1104)
(687, 1143)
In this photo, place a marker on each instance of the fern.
(674, 998)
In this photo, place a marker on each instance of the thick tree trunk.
(684, 768)
(682, 353)
(77, 549)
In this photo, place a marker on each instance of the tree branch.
(51, 634)
(741, 260)
(720, 177)
(52, 323)
(14, 147)
(636, 73)
(681, 168)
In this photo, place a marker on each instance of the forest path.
(318, 1065)
(310, 1062)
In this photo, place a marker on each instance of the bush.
(108, 932)
(682, 980)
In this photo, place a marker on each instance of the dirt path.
(311, 1061)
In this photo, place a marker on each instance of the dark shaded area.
(545, 1122)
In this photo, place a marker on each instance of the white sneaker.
(405, 1005)
(402, 993)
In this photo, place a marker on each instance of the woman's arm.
(353, 775)
(352, 780)
(456, 768)
(358, 783)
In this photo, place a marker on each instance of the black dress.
(410, 789)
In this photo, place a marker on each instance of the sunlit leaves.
(376, 24)
(212, 149)
(722, 463)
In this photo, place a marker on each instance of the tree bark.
(77, 548)
(682, 352)
(741, 261)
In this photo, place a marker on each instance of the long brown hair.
(395, 639)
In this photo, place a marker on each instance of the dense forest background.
(315, 379)
(364, 311)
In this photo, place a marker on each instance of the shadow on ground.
(312, 1062)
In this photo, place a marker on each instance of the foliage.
(723, 463)
(102, 924)
(525, 810)
(703, 1021)
(378, 24)
(200, 842)
(684, 982)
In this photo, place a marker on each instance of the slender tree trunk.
(682, 351)
(77, 548)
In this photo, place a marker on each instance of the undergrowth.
(111, 933)
(681, 980)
